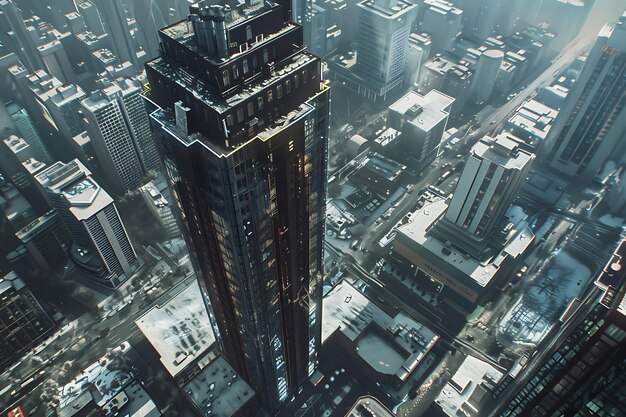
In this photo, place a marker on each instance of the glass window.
(248, 32)
(279, 92)
(260, 102)
(246, 68)
(239, 115)
(225, 77)
(266, 57)
(296, 81)
(305, 76)
(270, 96)
(250, 108)
(235, 72)
(229, 120)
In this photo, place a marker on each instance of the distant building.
(422, 119)
(417, 54)
(113, 16)
(15, 208)
(379, 174)
(23, 322)
(485, 75)
(118, 127)
(377, 68)
(583, 371)
(575, 146)
(394, 350)
(101, 247)
(47, 240)
(442, 21)
(29, 133)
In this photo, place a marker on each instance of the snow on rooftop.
(391, 345)
(179, 330)
(462, 390)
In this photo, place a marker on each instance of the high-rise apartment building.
(492, 174)
(583, 372)
(591, 124)
(113, 16)
(383, 36)
(119, 130)
(23, 322)
(101, 247)
(241, 119)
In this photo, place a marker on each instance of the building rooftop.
(502, 151)
(369, 406)
(441, 63)
(179, 330)
(467, 388)
(11, 280)
(392, 345)
(423, 112)
(35, 227)
(73, 181)
(390, 9)
(383, 166)
(218, 391)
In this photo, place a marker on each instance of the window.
(265, 56)
(225, 78)
(260, 102)
(270, 96)
(246, 68)
(305, 76)
(255, 62)
(288, 86)
(229, 120)
(250, 108)
(248, 32)
(296, 81)
(279, 92)
(239, 115)
(235, 72)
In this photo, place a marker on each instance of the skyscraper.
(120, 133)
(241, 119)
(590, 127)
(384, 28)
(101, 248)
(114, 18)
(582, 373)
(27, 130)
(489, 181)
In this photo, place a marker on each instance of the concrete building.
(467, 280)
(246, 164)
(219, 385)
(180, 333)
(21, 36)
(422, 119)
(485, 75)
(47, 240)
(576, 147)
(380, 58)
(26, 129)
(17, 211)
(379, 173)
(443, 22)
(92, 17)
(417, 55)
(118, 127)
(531, 123)
(23, 322)
(160, 207)
(101, 247)
(394, 350)
(492, 174)
(113, 16)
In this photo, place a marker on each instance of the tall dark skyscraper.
(240, 115)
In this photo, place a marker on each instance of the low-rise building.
(392, 348)
(531, 124)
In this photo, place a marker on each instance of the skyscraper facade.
(240, 114)
(101, 247)
(591, 124)
(120, 132)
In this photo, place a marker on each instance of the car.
(354, 244)
(493, 122)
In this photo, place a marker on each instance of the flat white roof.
(179, 330)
